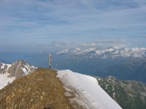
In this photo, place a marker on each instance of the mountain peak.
(9, 72)
(20, 62)
(16, 69)
(38, 90)
(51, 89)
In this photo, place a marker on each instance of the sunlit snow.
(4, 80)
(87, 92)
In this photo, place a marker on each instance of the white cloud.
(75, 20)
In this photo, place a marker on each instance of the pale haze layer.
(30, 25)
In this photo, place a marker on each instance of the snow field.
(87, 93)
(4, 80)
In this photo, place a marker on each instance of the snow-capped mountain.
(9, 72)
(42, 89)
(111, 52)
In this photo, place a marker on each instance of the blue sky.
(29, 25)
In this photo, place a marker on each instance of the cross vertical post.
(50, 60)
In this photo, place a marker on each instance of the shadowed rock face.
(38, 90)
(16, 69)
(129, 94)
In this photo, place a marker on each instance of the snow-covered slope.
(10, 72)
(85, 92)
(4, 80)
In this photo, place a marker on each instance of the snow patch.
(3, 66)
(87, 93)
(24, 70)
(106, 86)
(4, 80)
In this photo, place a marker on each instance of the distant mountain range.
(122, 62)
(111, 52)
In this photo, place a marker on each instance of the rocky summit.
(16, 69)
(38, 90)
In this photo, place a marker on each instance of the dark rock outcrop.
(129, 94)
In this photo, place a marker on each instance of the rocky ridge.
(129, 94)
(16, 69)
(38, 90)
